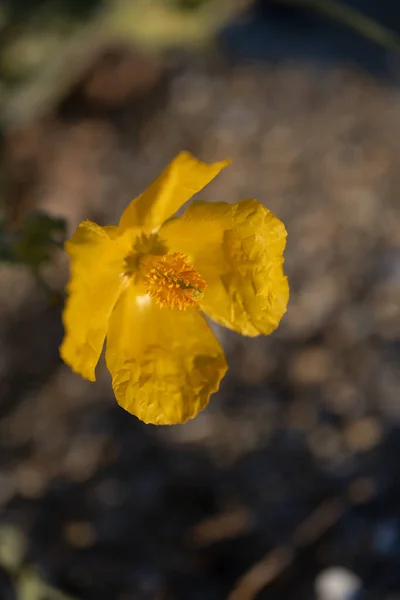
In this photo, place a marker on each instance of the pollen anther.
(172, 281)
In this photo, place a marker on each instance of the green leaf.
(34, 242)
(39, 236)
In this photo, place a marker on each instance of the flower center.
(173, 282)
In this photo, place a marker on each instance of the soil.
(293, 468)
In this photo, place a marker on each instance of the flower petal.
(238, 250)
(164, 363)
(93, 289)
(180, 180)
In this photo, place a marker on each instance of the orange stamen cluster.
(173, 282)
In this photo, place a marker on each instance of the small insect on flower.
(142, 284)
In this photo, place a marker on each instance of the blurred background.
(288, 485)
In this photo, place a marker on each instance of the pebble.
(336, 583)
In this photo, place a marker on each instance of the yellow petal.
(164, 363)
(93, 289)
(238, 250)
(180, 180)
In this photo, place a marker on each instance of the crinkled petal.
(94, 286)
(238, 250)
(180, 180)
(164, 363)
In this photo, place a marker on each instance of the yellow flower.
(142, 283)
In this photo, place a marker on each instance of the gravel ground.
(293, 468)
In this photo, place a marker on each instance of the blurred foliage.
(33, 243)
(163, 24)
(24, 578)
(33, 32)
(46, 45)
(22, 9)
(37, 36)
